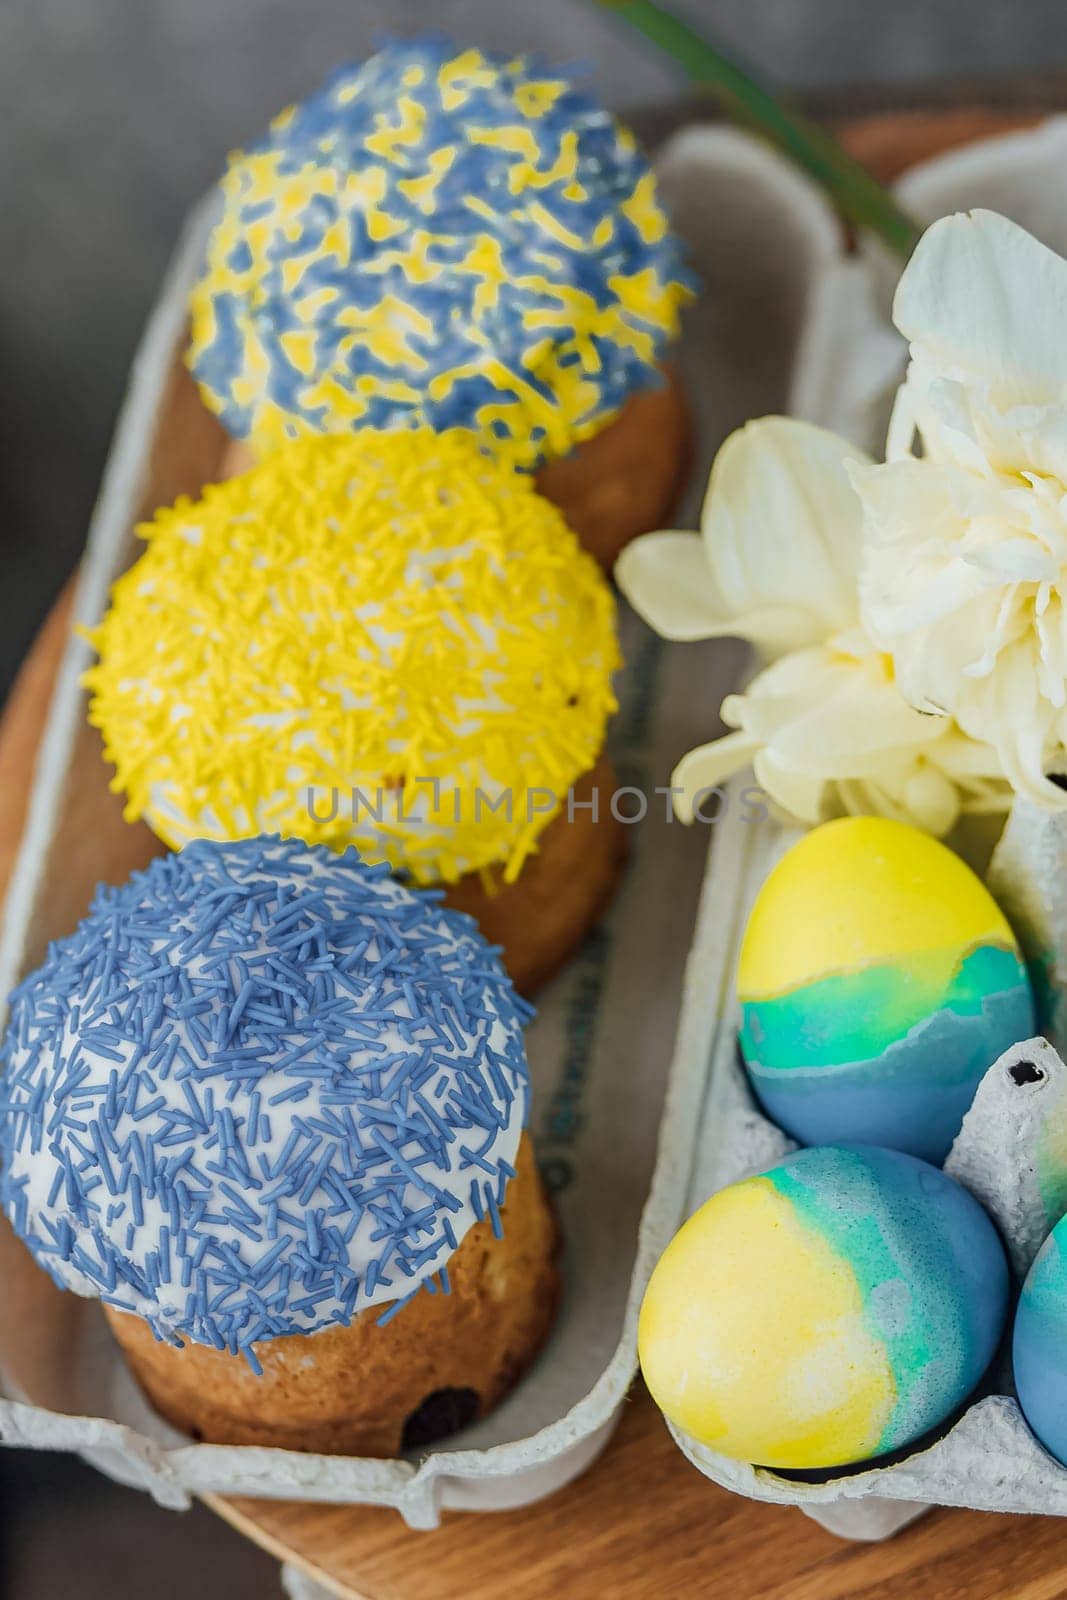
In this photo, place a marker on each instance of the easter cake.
(443, 238)
(268, 1106)
(387, 640)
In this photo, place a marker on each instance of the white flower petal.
(665, 577)
(971, 763)
(963, 584)
(827, 731)
(835, 717)
(984, 306)
(1008, 709)
(782, 528)
(708, 766)
(903, 423)
(803, 798)
(934, 592)
(984, 299)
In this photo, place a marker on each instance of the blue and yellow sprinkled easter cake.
(268, 1106)
(446, 238)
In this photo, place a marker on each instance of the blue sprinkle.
(243, 1226)
(494, 1212)
(391, 1310)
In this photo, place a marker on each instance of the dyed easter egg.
(1039, 1345)
(878, 981)
(834, 1308)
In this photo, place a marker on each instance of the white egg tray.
(640, 1110)
(988, 1459)
(850, 362)
(619, 1048)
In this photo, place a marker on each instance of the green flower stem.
(862, 200)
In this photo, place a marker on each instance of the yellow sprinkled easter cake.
(387, 640)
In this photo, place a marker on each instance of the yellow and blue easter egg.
(833, 1309)
(878, 981)
(1039, 1345)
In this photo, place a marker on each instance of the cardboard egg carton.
(640, 1109)
(619, 1048)
(987, 1458)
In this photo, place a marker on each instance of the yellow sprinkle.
(381, 219)
(556, 229)
(479, 207)
(420, 191)
(642, 209)
(641, 294)
(465, 72)
(390, 141)
(382, 226)
(299, 348)
(604, 233)
(537, 99)
(516, 140)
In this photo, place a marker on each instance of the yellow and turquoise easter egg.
(878, 981)
(833, 1309)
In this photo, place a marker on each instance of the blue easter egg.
(1039, 1346)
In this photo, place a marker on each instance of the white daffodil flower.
(965, 561)
(777, 557)
(824, 726)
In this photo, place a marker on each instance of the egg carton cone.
(1011, 1151)
(620, 1045)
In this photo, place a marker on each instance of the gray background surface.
(114, 116)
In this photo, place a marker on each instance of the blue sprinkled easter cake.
(267, 1105)
(449, 238)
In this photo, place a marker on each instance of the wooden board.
(642, 1524)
